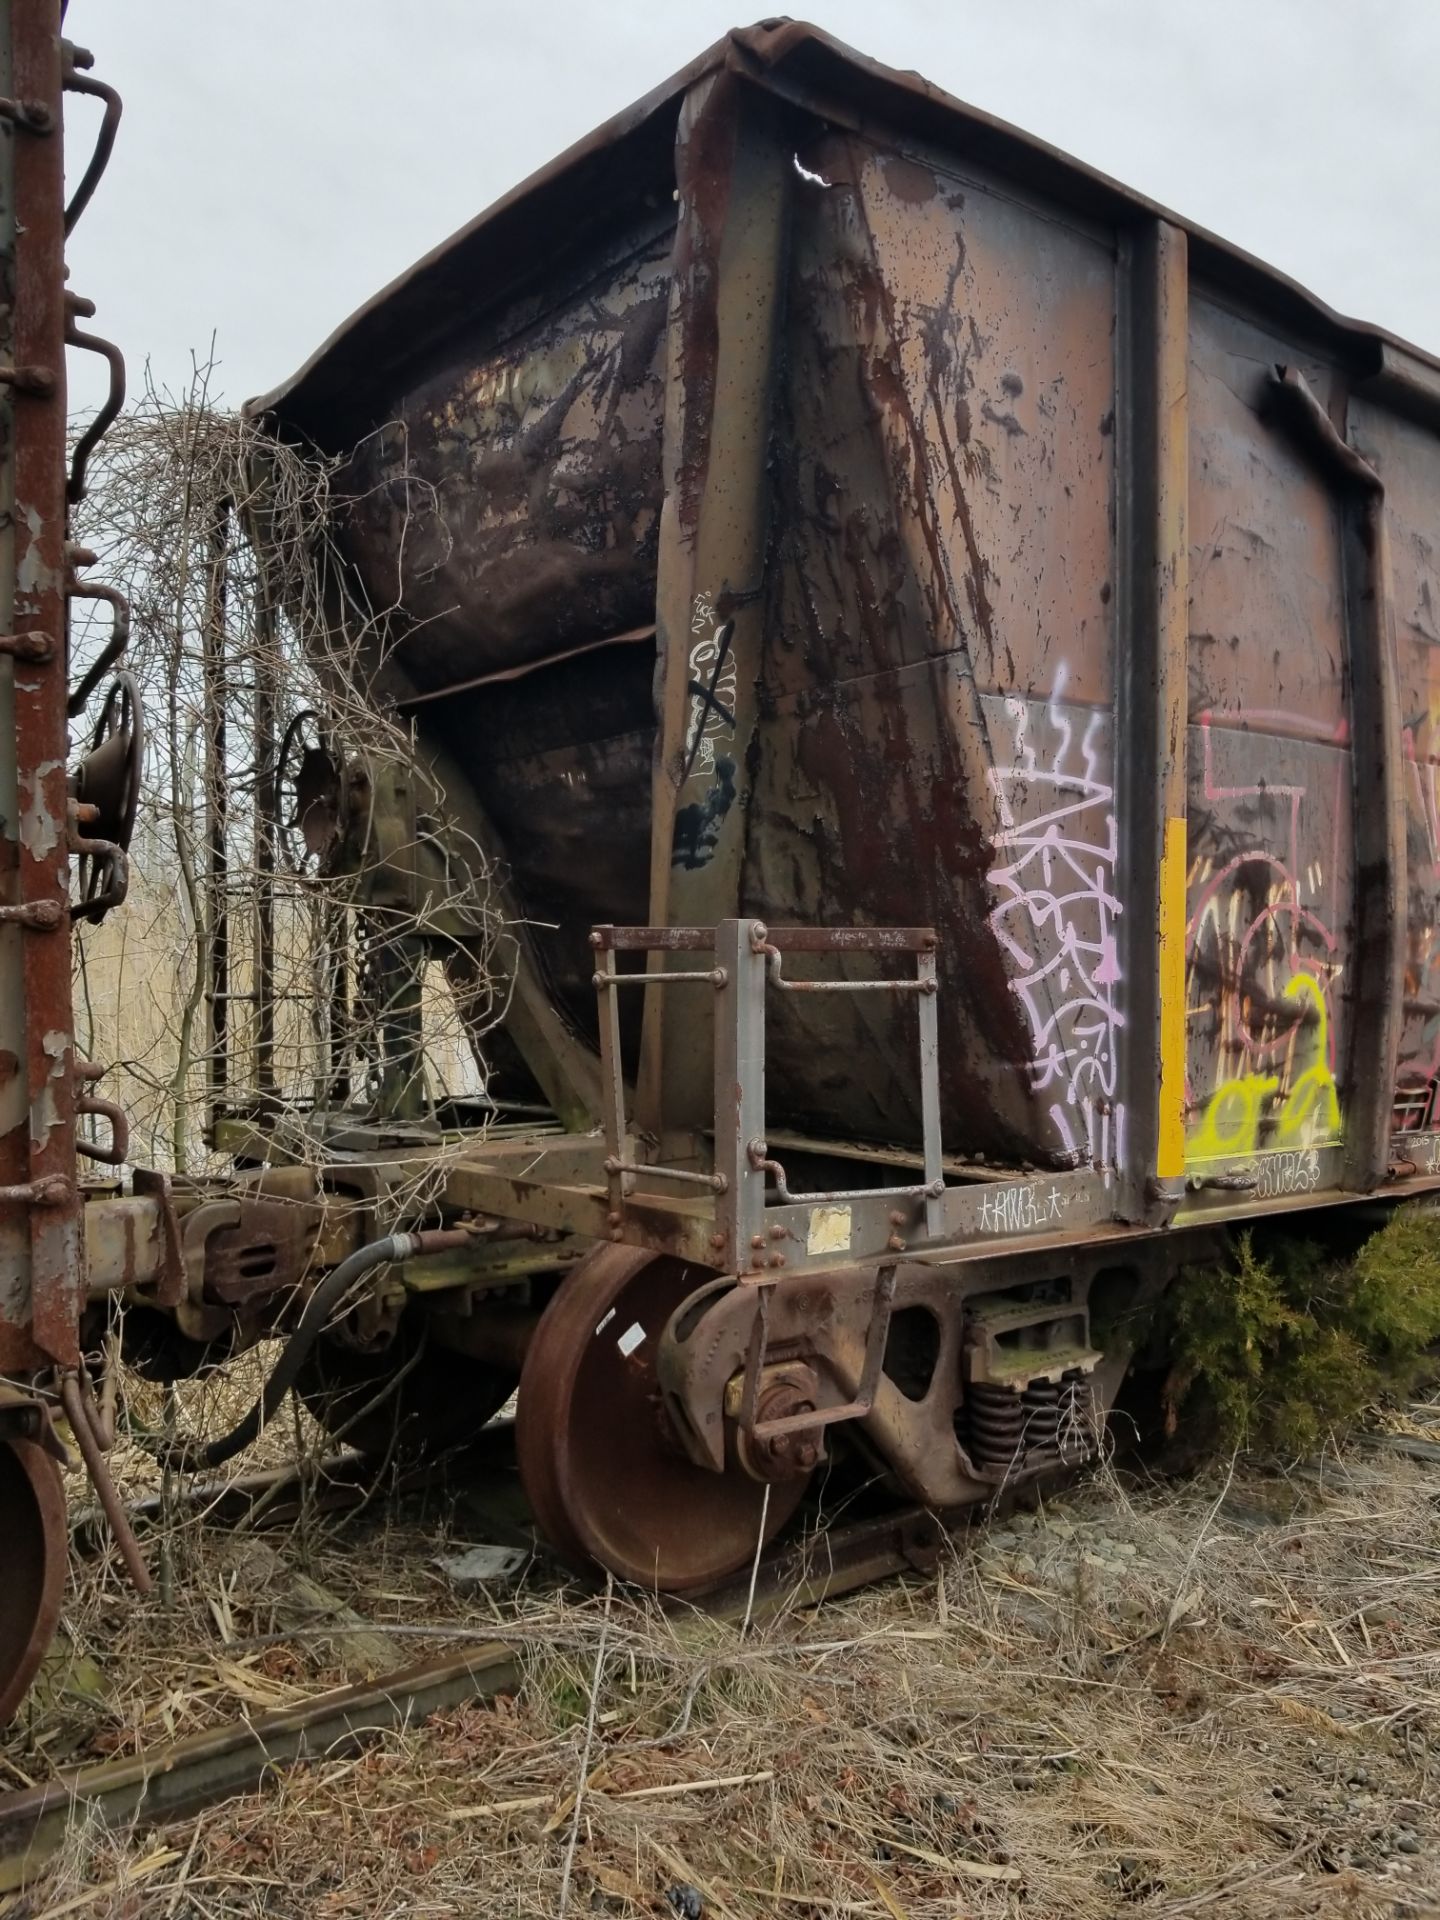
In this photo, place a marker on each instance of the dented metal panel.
(510, 509)
(547, 424)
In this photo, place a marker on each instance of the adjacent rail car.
(65, 824)
(938, 659)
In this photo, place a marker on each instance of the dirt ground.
(1147, 1698)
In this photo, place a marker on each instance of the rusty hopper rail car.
(939, 658)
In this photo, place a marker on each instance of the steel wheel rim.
(32, 1517)
(603, 1483)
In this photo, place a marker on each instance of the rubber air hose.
(191, 1457)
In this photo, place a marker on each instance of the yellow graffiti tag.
(1232, 1120)
(1236, 1111)
(1313, 1108)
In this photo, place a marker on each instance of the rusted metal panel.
(945, 461)
(538, 1026)
(508, 503)
(1407, 457)
(734, 176)
(354, 372)
(565, 785)
(1153, 499)
(1377, 931)
(502, 516)
(41, 1256)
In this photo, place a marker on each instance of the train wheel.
(606, 1481)
(36, 1550)
(440, 1405)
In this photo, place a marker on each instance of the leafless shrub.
(216, 985)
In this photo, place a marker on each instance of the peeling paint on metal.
(41, 830)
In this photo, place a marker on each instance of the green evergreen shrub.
(1278, 1349)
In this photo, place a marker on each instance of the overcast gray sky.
(280, 160)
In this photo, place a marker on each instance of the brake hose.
(192, 1457)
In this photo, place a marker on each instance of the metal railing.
(749, 961)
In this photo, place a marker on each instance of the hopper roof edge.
(807, 65)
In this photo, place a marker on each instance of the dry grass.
(1216, 1697)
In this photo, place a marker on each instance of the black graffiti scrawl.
(712, 689)
(697, 826)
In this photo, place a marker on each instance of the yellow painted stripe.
(1170, 1150)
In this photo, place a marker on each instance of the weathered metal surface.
(77, 61)
(80, 1413)
(552, 420)
(977, 1219)
(734, 175)
(948, 451)
(125, 1243)
(940, 1330)
(42, 1248)
(1406, 454)
(1377, 931)
(41, 1273)
(1152, 502)
(566, 794)
(974, 465)
(617, 165)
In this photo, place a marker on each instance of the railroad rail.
(184, 1776)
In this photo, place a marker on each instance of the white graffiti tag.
(1054, 871)
(712, 685)
(1277, 1174)
(1028, 1209)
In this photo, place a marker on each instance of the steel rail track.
(185, 1776)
